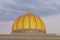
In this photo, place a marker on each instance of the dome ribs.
(29, 22)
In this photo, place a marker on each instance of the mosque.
(29, 27)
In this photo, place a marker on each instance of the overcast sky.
(48, 10)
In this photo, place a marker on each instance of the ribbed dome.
(28, 22)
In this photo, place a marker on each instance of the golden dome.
(28, 22)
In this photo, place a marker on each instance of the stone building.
(29, 27)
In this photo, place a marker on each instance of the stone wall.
(29, 36)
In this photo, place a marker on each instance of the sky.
(47, 10)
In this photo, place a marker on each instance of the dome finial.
(28, 9)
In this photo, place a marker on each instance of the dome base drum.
(27, 30)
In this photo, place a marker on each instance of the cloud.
(11, 9)
(52, 23)
(6, 27)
